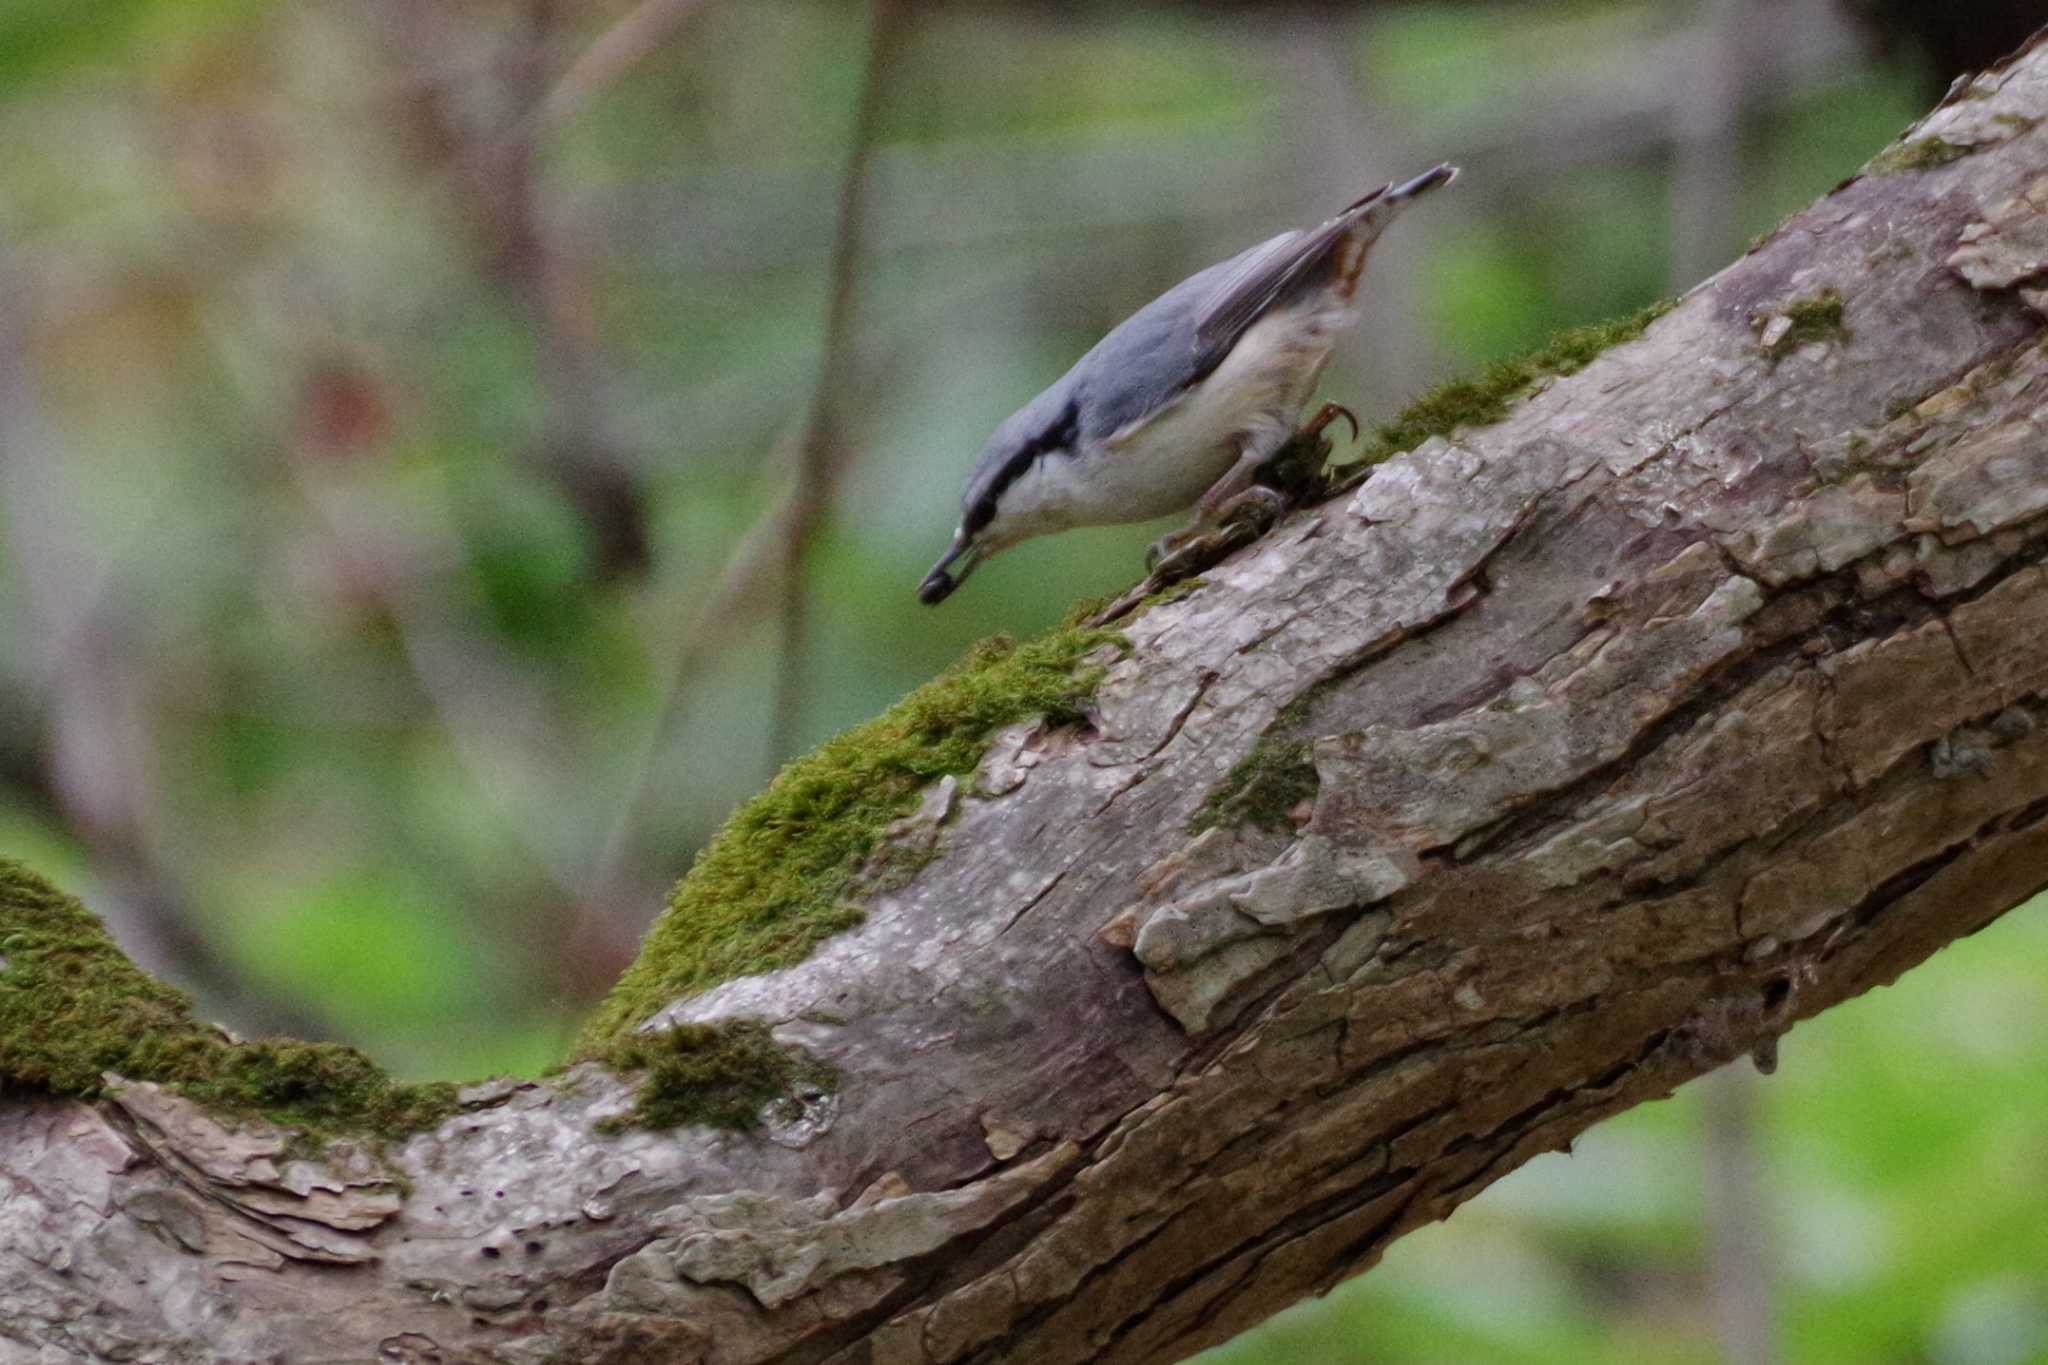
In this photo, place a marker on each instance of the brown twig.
(774, 546)
(822, 449)
(620, 48)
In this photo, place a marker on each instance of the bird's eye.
(1062, 433)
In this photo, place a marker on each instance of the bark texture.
(1703, 692)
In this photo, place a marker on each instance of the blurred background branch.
(632, 39)
(440, 454)
(821, 451)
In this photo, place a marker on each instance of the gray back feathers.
(1164, 348)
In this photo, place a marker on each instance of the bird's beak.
(951, 570)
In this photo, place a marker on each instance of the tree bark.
(1701, 693)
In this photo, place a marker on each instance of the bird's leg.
(1297, 468)
(1245, 503)
(1238, 509)
(1200, 537)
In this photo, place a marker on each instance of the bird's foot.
(1300, 468)
(1180, 555)
(1253, 512)
(1238, 522)
(1170, 545)
(1293, 476)
(1186, 552)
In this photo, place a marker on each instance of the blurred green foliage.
(311, 686)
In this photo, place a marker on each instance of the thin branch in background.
(1341, 142)
(574, 450)
(620, 48)
(772, 549)
(748, 572)
(1740, 1275)
(821, 453)
(486, 703)
(1709, 100)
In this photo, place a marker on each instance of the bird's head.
(996, 510)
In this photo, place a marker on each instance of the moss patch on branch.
(1264, 787)
(1488, 398)
(777, 877)
(721, 1075)
(1814, 319)
(1921, 154)
(73, 1008)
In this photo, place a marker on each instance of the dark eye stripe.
(1062, 432)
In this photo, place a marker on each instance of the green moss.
(73, 1007)
(1264, 788)
(1172, 592)
(715, 1074)
(1814, 319)
(1488, 398)
(1921, 154)
(776, 878)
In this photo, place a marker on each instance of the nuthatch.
(1183, 402)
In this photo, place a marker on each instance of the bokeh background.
(453, 450)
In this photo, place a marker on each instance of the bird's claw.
(1238, 522)
(1167, 546)
(1192, 554)
(1326, 414)
(1255, 509)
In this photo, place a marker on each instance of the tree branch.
(1571, 757)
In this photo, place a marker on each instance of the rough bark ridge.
(1703, 692)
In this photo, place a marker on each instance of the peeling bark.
(1703, 692)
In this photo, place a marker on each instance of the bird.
(1182, 403)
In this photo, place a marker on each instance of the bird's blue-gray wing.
(1154, 356)
(1173, 342)
(1150, 359)
(1257, 280)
